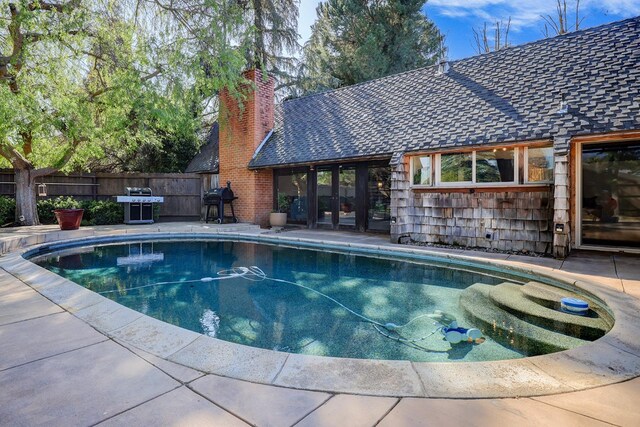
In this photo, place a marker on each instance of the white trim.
(456, 184)
(266, 138)
(411, 171)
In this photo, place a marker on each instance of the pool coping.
(611, 359)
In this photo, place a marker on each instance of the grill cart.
(218, 197)
(138, 205)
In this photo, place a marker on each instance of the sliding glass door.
(610, 204)
(347, 195)
(379, 199)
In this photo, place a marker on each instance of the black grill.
(218, 197)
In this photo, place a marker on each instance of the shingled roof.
(509, 95)
(206, 161)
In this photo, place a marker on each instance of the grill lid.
(215, 194)
(138, 191)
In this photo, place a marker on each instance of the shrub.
(47, 206)
(103, 212)
(7, 210)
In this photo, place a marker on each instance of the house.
(533, 148)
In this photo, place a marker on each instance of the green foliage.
(283, 203)
(102, 212)
(354, 41)
(47, 206)
(96, 212)
(7, 210)
(272, 38)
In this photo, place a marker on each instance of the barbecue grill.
(138, 205)
(218, 197)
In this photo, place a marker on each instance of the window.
(486, 167)
(292, 193)
(539, 165)
(497, 165)
(421, 170)
(456, 167)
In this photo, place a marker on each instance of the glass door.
(379, 193)
(610, 205)
(292, 195)
(326, 197)
(347, 197)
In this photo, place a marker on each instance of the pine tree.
(358, 40)
(274, 37)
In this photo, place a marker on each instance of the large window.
(292, 193)
(486, 167)
(456, 168)
(495, 166)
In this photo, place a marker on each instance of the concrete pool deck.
(70, 358)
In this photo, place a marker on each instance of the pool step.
(511, 298)
(506, 328)
(550, 296)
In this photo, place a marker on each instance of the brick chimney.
(243, 126)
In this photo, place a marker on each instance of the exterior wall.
(507, 220)
(243, 126)
(561, 205)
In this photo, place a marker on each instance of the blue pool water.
(317, 306)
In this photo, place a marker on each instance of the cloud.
(527, 13)
(625, 8)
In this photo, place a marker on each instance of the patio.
(56, 369)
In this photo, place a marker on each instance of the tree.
(500, 37)
(356, 40)
(273, 38)
(559, 24)
(81, 79)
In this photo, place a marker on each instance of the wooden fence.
(182, 191)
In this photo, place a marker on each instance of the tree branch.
(14, 157)
(99, 92)
(63, 160)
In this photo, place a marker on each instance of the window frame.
(473, 182)
(412, 171)
(516, 169)
(520, 163)
(438, 161)
(526, 168)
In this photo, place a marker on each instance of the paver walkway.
(57, 370)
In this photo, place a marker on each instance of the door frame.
(579, 201)
(335, 197)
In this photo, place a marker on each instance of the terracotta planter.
(277, 219)
(69, 219)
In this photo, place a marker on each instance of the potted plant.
(68, 213)
(279, 217)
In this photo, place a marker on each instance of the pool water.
(316, 307)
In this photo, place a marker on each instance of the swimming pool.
(327, 303)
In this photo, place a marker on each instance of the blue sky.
(457, 18)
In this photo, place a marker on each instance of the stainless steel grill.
(138, 205)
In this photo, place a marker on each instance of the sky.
(457, 18)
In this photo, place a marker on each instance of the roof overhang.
(385, 156)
